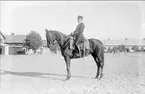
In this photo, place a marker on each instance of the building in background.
(14, 43)
(128, 43)
(2, 43)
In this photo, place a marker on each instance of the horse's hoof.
(68, 78)
(98, 77)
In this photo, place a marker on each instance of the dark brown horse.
(96, 50)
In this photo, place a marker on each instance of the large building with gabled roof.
(14, 42)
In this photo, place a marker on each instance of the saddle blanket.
(86, 44)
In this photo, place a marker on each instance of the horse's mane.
(58, 33)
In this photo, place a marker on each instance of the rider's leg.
(79, 39)
(77, 44)
(71, 43)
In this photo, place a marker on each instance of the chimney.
(12, 33)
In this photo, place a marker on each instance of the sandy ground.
(45, 74)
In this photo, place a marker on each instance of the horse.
(115, 50)
(96, 50)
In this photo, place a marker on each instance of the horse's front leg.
(67, 60)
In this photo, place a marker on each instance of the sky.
(102, 19)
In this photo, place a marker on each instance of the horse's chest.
(67, 52)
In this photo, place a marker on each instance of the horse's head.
(50, 38)
(54, 36)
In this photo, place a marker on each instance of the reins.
(65, 43)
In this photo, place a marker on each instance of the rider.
(78, 33)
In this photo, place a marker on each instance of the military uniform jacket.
(79, 33)
(80, 29)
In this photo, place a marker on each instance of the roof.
(2, 35)
(15, 38)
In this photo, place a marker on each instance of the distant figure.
(115, 50)
(41, 50)
(78, 33)
(122, 48)
(29, 51)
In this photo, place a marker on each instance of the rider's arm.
(77, 29)
(81, 28)
(75, 32)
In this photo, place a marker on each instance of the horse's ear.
(46, 30)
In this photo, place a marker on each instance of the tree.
(33, 40)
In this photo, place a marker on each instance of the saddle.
(83, 45)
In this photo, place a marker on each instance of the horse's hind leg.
(98, 67)
(100, 63)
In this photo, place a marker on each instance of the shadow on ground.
(39, 75)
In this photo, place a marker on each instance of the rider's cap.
(80, 17)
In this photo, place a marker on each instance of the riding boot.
(79, 52)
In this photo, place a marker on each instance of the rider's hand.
(72, 34)
(75, 33)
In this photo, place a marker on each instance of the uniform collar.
(80, 22)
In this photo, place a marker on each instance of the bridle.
(50, 39)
